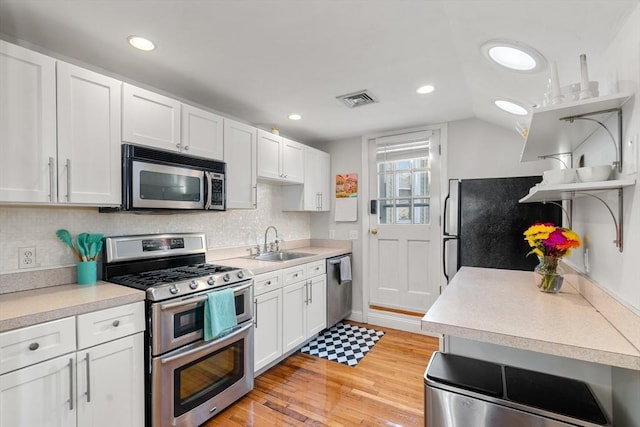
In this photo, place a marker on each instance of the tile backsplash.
(36, 227)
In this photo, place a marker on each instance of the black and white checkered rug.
(343, 343)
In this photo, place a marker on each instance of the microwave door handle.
(207, 183)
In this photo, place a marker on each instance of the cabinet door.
(292, 158)
(202, 133)
(88, 137)
(240, 154)
(267, 333)
(27, 125)
(316, 180)
(317, 305)
(294, 319)
(111, 383)
(269, 155)
(150, 119)
(40, 395)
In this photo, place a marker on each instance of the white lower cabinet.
(101, 385)
(267, 334)
(304, 304)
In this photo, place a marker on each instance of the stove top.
(166, 265)
(148, 279)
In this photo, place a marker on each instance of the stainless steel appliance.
(461, 391)
(483, 223)
(188, 380)
(339, 297)
(155, 179)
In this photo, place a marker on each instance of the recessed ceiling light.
(295, 116)
(514, 55)
(141, 43)
(425, 89)
(511, 107)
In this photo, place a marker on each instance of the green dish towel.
(219, 313)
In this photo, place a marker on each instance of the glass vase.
(548, 276)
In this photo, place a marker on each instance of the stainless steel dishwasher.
(338, 289)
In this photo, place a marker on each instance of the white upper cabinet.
(202, 133)
(88, 137)
(155, 120)
(240, 154)
(279, 159)
(150, 119)
(28, 126)
(314, 194)
(269, 155)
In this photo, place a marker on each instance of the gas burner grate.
(169, 275)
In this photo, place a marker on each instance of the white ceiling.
(260, 60)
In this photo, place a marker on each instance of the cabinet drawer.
(267, 282)
(26, 346)
(316, 268)
(294, 274)
(106, 325)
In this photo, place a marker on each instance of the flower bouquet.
(550, 243)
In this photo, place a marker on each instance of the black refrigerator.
(484, 223)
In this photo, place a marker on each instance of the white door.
(240, 155)
(88, 137)
(404, 249)
(41, 395)
(111, 383)
(292, 160)
(269, 155)
(202, 133)
(317, 305)
(294, 316)
(27, 125)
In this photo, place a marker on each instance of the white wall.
(345, 158)
(478, 149)
(36, 227)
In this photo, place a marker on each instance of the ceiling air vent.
(357, 99)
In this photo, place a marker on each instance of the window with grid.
(403, 180)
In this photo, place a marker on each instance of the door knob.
(374, 231)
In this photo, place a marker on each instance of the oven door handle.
(201, 298)
(236, 330)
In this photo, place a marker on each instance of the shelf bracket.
(617, 223)
(617, 146)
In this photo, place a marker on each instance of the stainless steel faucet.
(266, 248)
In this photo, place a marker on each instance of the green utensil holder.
(87, 273)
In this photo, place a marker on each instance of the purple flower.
(555, 239)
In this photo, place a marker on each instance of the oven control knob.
(211, 281)
(193, 284)
(173, 289)
(226, 277)
(240, 274)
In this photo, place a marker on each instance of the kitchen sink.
(279, 256)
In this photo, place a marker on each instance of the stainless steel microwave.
(154, 179)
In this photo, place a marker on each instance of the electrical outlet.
(353, 234)
(332, 234)
(27, 257)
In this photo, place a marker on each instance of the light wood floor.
(385, 389)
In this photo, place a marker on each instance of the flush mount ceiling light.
(514, 55)
(511, 107)
(422, 90)
(295, 116)
(141, 43)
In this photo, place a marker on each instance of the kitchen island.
(505, 307)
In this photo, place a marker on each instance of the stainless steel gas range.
(188, 379)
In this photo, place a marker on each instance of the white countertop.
(26, 308)
(505, 307)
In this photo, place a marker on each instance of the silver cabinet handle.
(306, 292)
(88, 378)
(68, 196)
(268, 283)
(71, 384)
(178, 145)
(254, 202)
(255, 313)
(310, 291)
(52, 176)
(186, 148)
(34, 346)
(116, 323)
